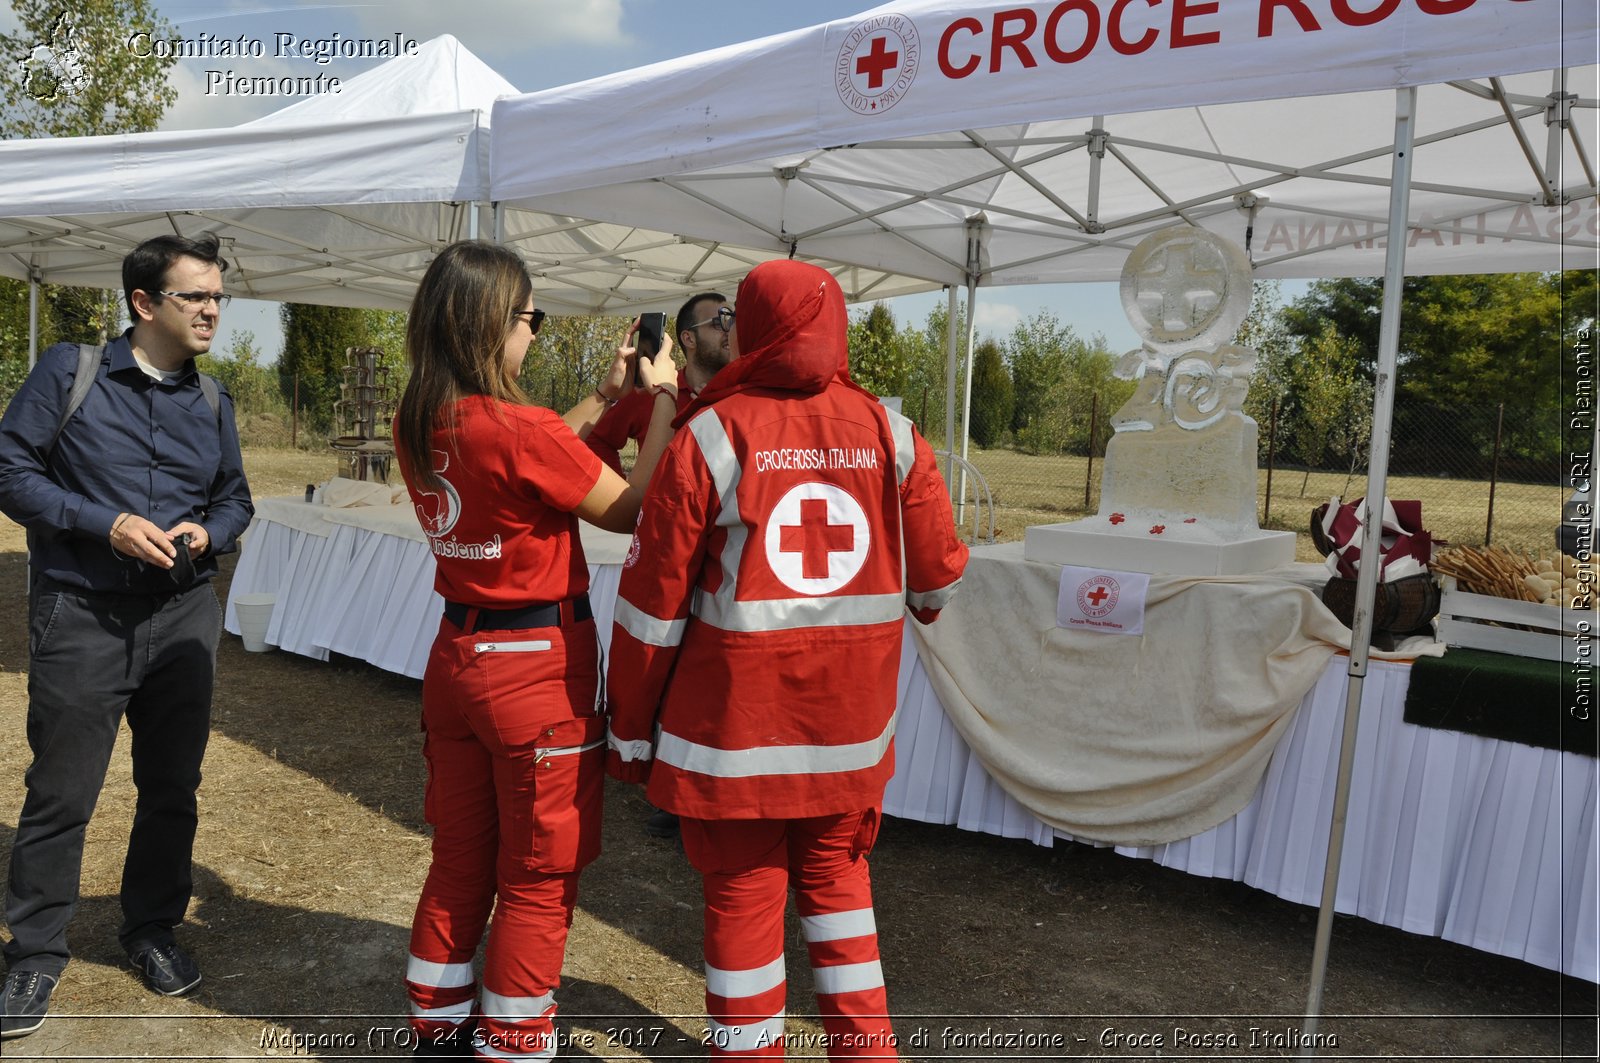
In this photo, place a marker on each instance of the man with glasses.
(703, 324)
(128, 500)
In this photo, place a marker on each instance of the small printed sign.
(1111, 603)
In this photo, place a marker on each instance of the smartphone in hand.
(646, 342)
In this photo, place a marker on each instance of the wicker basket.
(1404, 607)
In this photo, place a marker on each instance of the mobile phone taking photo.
(647, 343)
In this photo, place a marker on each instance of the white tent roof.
(336, 199)
(339, 199)
(875, 140)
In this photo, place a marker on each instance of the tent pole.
(472, 221)
(977, 232)
(33, 317)
(950, 390)
(966, 399)
(1372, 532)
(499, 223)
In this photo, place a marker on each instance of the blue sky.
(539, 44)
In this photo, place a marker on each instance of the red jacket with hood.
(756, 651)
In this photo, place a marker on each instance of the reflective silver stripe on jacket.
(651, 630)
(716, 449)
(782, 614)
(932, 599)
(772, 760)
(902, 431)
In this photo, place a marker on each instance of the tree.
(1036, 351)
(569, 358)
(78, 76)
(1265, 331)
(877, 358)
(1057, 377)
(315, 341)
(258, 404)
(68, 72)
(1331, 413)
(991, 395)
(1467, 345)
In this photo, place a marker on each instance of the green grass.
(1047, 489)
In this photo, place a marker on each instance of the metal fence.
(1478, 472)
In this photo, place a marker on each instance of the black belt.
(472, 619)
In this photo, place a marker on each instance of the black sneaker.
(27, 1001)
(167, 969)
(661, 824)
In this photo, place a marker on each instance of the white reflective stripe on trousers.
(438, 975)
(486, 1049)
(772, 760)
(746, 1037)
(454, 1013)
(836, 926)
(849, 977)
(630, 750)
(745, 983)
(516, 1009)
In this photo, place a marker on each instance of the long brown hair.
(455, 341)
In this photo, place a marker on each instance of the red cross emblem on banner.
(1097, 597)
(877, 62)
(817, 538)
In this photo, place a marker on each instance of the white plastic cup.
(254, 612)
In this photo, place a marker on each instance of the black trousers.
(93, 659)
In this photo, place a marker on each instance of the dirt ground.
(312, 848)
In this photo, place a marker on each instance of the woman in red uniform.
(513, 741)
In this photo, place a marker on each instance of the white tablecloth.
(1488, 843)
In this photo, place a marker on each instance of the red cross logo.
(815, 539)
(877, 62)
(1097, 596)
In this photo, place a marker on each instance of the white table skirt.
(1491, 844)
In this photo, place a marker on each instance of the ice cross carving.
(1185, 291)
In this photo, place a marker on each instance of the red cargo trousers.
(748, 867)
(516, 766)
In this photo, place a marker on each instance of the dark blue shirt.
(154, 449)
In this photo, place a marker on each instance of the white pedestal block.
(1191, 551)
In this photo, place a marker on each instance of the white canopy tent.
(985, 143)
(335, 200)
(339, 199)
(875, 140)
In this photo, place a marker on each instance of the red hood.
(791, 329)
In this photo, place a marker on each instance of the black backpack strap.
(208, 388)
(89, 358)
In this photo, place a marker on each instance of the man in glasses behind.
(703, 323)
(127, 501)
